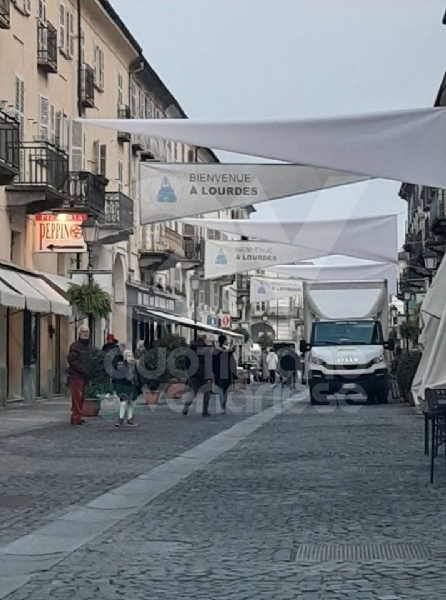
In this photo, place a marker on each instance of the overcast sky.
(226, 59)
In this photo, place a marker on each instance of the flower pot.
(91, 407)
(175, 389)
(151, 397)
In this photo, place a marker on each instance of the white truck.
(346, 341)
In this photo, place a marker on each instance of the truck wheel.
(381, 397)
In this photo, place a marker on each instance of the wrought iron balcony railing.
(47, 51)
(9, 148)
(88, 87)
(5, 14)
(118, 212)
(43, 165)
(192, 248)
(124, 113)
(86, 193)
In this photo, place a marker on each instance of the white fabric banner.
(170, 191)
(405, 145)
(343, 272)
(371, 238)
(227, 258)
(263, 289)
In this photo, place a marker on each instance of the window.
(44, 118)
(62, 26)
(213, 234)
(77, 147)
(62, 137)
(100, 158)
(142, 105)
(98, 67)
(207, 293)
(120, 174)
(120, 90)
(41, 10)
(149, 108)
(66, 31)
(216, 298)
(23, 6)
(134, 100)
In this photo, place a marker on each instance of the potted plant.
(90, 300)
(165, 379)
(405, 369)
(98, 386)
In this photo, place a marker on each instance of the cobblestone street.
(303, 503)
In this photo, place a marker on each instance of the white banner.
(405, 145)
(371, 238)
(263, 289)
(343, 272)
(171, 191)
(228, 258)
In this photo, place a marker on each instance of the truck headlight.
(317, 361)
(378, 360)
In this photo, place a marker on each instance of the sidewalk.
(23, 418)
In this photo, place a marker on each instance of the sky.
(254, 59)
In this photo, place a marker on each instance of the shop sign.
(59, 233)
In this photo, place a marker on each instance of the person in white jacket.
(272, 362)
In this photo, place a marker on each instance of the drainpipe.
(80, 108)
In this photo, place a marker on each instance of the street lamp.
(240, 307)
(195, 286)
(90, 231)
(393, 314)
(430, 262)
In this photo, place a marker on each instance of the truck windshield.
(352, 333)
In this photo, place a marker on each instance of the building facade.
(60, 60)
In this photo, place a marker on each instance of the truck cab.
(348, 355)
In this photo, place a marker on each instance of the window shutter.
(103, 160)
(120, 174)
(42, 10)
(97, 157)
(70, 48)
(19, 113)
(101, 70)
(191, 156)
(77, 147)
(83, 46)
(62, 26)
(95, 64)
(120, 90)
(44, 118)
(53, 124)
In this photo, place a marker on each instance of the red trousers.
(77, 399)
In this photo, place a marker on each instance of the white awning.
(35, 301)
(59, 305)
(184, 321)
(10, 298)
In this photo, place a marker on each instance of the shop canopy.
(185, 322)
(405, 145)
(369, 238)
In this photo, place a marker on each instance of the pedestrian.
(111, 344)
(224, 367)
(79, 372)
(200, 375)
(272, 361)
(127, 386)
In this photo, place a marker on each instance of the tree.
(266, 342)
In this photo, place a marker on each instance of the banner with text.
(263, 289)
(172, 191)
(227, 258)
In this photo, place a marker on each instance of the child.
(127, 386)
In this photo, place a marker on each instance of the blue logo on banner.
(221, 258)
(213, 321)
(261, 290)
(166, 194)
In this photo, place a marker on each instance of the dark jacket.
(127, 382)
(79, 361)
(204, 355)
(224, 367)
(110, 346)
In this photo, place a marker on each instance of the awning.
(59, 305)
(35, 301)
(32, 292)
(9, 298)
(185, 322)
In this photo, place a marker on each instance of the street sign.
(213, 321)
(57, 233)
(226, 322)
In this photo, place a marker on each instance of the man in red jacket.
(79, 371)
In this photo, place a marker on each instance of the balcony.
(116, 222)
(86, 194)
(192, 248)
(437, 215)
(174, 242)
(88, 87)
(161, 252)
(5, 14)
(47, 51)
(138, 143)
(124, 113)
(43, 180)
(9, 149)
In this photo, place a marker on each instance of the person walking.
(111, 344)
(272, 361)
(224, 367)
(79, 371)
(200, 375)
(127, 386)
